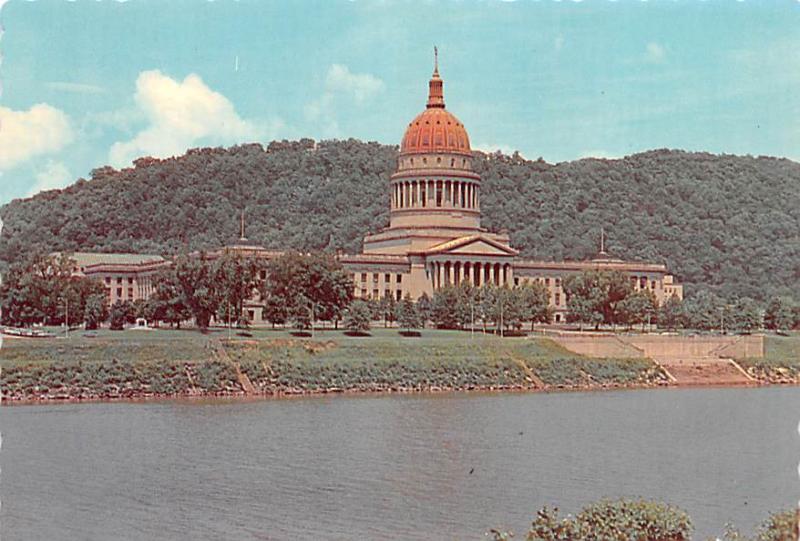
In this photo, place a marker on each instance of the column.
(460, 272)
(491, 274)
(441, 274)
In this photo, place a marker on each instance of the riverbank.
(132, 365)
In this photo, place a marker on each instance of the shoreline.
(304, 393)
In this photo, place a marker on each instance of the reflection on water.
(409, 467)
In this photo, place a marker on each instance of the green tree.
(594, 297)
(425, 308)
(388, 309)
(407, 314)
(704, 311)
(358, 316)
(95, 311)
(167, 303)
(638, 308)
(450, 308)
(237, 280)
(310, 286)
(275, 310)
(671, 314)
(197, 280)
(535, 303)
(43, 289)
(779, 314)
(121, 314)
(744, 315)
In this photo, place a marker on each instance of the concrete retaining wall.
(684, 347)
(599, 346)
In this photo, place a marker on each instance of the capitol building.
(434, 238)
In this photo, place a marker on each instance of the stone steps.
(704, 371)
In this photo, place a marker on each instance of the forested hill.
(729, 223)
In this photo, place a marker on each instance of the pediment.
(474, 245)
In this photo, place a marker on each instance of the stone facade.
(126, 277)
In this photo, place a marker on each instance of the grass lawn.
(171, 361)
(125, 346)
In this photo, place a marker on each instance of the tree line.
(301, 289)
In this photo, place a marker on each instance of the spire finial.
(602, 240)
(435, 86)
(242, 237)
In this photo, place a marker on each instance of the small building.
(126, 277)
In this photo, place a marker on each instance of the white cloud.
(182, 114)
(361, 86)
(341, 85)
(655, 53)
(53, 176)
(42, 129)
(79, 88)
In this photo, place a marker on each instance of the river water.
(392, 467)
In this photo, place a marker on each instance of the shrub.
(623, 520)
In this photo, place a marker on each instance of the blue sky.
(92, 83)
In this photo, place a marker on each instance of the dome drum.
(448, 161)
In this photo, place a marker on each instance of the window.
(119, 292)
(108, 280)
(399, 294)
(363, 293)
(363, 276)
(387, 293)
(547, 282)
(399, 278)
(130, 281)
(438, 193)
(653, 284)
(263, 275)
(375, 294)
(642, 282)
(374, 277)
(558, 299)
(516, 281)
(108, 292)
(558, 318)
(130, 292)
(387, 278)
(119, 280)
(558, 282)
